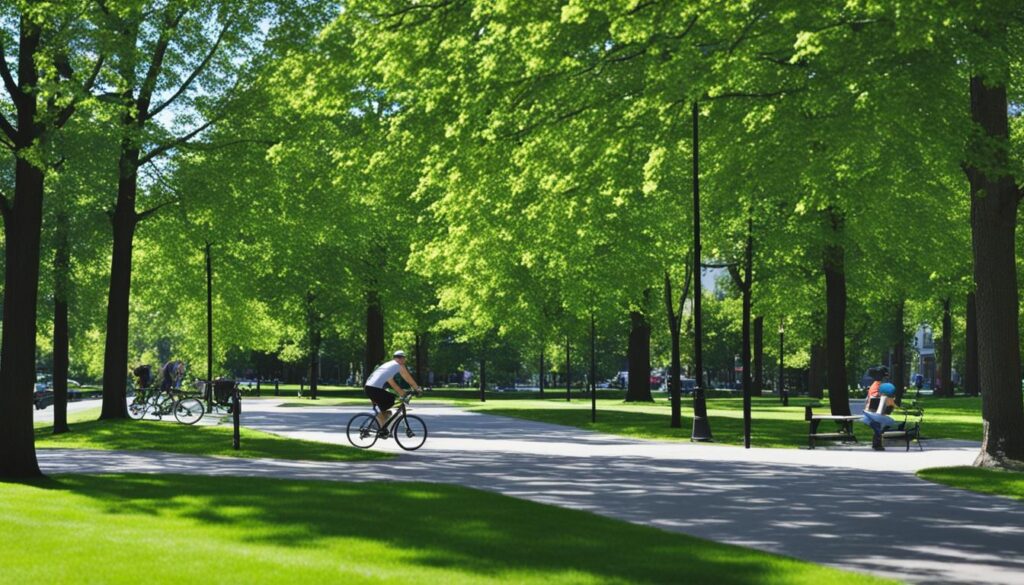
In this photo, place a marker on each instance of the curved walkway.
(846, 508)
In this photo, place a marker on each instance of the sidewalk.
(837, 507)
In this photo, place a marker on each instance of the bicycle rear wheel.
(188, 411)
(362, 431)
(138, 407)
(410, 432)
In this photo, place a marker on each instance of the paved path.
(845, 508)
(45, 415)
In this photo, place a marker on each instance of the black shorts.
(381, 397)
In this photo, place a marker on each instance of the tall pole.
(701, 427)
(209, 330)
(593, 370)
(698, 350)
(783, 395)
(568, 373)
(748, 283)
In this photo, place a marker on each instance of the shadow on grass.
(200, 440)
(474, 533)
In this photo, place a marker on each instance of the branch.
(734, 272)
(754, 95)
(192, 77)
(5, 73)
(686, 292)
(640, 6)
(220, 145)
(672, 321)
(725, 265)
(417, 6)
(161, 150)
(140, 217)
(91, 81)
(9, 130)
(156, 63)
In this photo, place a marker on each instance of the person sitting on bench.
(876, 414)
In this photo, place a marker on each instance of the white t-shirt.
(384, 372)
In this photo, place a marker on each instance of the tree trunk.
(758, 356)
(835, 328)
(540, 374)
(483, 379)
(971, 367)
(748, 282)
(899, 353)
(374, 353)
(702, 430)
(994, 201)
(61, 285)
(23, 219)
(125, 219)
(639, 358)
(421, 356)
(947, 350)
(815, 387)
(568, 374)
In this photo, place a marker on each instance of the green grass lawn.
(186, 529)
(976, 479)
(773, 425)
(199, 440)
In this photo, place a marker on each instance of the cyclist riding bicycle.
(385, 374)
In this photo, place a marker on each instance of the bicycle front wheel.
(188, 411)
(138, 408)
(362, 430)
(410, 432)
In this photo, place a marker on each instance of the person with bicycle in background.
(385, 375)
(171, 376)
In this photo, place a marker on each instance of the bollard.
(236, 414)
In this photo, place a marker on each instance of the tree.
(43, 91)
(162, 53)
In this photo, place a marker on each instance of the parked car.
(42, 396)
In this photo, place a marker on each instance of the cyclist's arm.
(397, 388)
(408, 378)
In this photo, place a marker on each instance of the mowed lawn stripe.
(183, 529)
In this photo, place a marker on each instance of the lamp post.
(783, 394)
(209, 330)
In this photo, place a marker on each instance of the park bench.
(910, 430)
(844, 427)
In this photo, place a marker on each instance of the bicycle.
(186, 409)
(409, 430)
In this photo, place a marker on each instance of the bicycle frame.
(394, 416)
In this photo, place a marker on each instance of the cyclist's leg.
(383, 400)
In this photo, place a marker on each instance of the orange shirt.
(873, 390)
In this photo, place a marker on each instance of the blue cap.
(887, 389)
